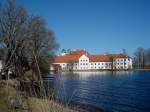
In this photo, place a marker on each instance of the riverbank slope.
(12, 99)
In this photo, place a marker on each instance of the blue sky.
(99, 26)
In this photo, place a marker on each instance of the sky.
(98, 26)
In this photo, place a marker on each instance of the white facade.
(100, 65)
(84, 63)
(122, 63)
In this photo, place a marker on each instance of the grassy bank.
(44, 105)
(28, 104)
(3, 101)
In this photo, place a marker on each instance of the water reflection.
(118, 91)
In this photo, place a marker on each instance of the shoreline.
(36, 104)
(106, 70)
(141, 69)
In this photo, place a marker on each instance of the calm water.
(117, 92)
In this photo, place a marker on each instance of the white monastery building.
(81, 60)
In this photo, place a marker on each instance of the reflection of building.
(82, 60)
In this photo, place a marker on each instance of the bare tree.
(147, 58)
(139, 57)
(13, 21)
(41, 43)
(25, 39)
(142, 58)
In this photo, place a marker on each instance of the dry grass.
(3, 103)
(34, 104)
(44, 105)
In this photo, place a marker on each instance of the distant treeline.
(141, 58)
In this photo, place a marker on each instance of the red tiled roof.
(79, 52)
(117, 55)
(67, 58)
(75, 55)
(72, 57)
(105, 58)
(99, 58)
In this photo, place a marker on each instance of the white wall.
(122, 63)
(100, 65)
(83, 63)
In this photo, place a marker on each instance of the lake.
(126, 91)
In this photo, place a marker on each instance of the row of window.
(108, 67)
(122, 59)
(127, 59)
(107, 64)
(83, 63)
(121, 63)
(83, 60)
(101, 64)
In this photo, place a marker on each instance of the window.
(95, 63)
(81, 64)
